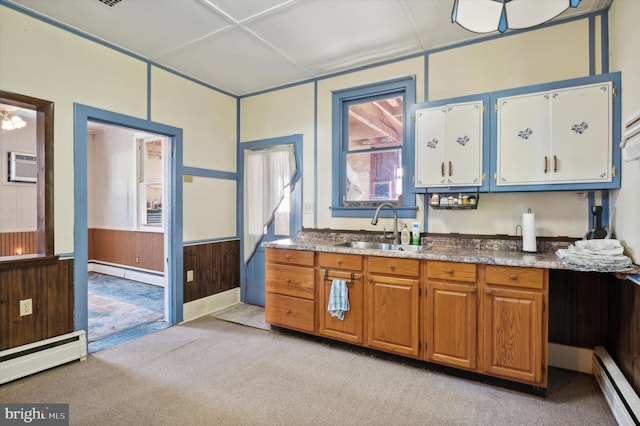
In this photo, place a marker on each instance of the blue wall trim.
(592, 45)
(604, 22)
(83, 113)
(208, 173)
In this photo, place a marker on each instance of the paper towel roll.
(529, 232)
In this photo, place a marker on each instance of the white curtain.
(267, 175)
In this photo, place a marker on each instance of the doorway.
(171, 205)
(127, 194)
(284, 222)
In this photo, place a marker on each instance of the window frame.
(405, 87)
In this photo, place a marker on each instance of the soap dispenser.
(405, 238)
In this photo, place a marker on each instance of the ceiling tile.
(331, 35)
(234, 61)
(241, 10)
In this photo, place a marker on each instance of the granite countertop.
(491, 251)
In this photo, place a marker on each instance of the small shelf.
(456, 206)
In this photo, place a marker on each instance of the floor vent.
(620, 396)
(35, 357)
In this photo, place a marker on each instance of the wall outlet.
(26, 307)
(190, 275)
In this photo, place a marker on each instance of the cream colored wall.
(49, 63)
(209, 121)
(624, 33)
(281, 113)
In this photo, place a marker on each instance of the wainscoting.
(215, 266)
(17, 243)
(144, 250)
(48, 282)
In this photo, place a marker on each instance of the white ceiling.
(246, 46)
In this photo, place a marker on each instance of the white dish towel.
(338, 299)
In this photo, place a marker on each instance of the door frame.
(296, 218)
(174, 255)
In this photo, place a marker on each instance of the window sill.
(404, 212)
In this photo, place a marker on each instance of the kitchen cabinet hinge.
(495, 176)
(614, 91)
(496, 107)
(484, 176)
(613, 171)
(484, 108)
(414, 118)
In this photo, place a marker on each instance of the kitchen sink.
(382, 246)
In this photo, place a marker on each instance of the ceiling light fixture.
(485, 16)
(11, 121)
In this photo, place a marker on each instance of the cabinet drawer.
(394, 266)
(290, 257)
(514, 276)
(452, 271)
(290, 280)
(290, 312)
(340, 261)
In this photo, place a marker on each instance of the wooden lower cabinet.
(514, 320)
(346, 267)
(451, 307)
(393, 303)
(290, 289)
(487, 319)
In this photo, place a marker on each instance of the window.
(371, 148)
(150, 182)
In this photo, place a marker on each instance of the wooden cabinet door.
(581, 134)
(451, 319)
(430, 140)
(393, 324)
(513, 334)
(350, 328)
(523, 127)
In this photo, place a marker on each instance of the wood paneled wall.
(623, 337)
(48, 282)
(129, 248)
(27, 242)
(215, 266)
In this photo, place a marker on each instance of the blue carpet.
(122, 310)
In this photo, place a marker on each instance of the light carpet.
(212, 372)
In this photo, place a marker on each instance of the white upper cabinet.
(561, 136)
(448, 144)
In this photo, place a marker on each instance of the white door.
(430, 143)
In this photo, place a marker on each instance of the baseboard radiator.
(28, 359)
(621, 397)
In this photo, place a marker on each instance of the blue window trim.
(406, 86)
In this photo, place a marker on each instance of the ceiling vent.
(110, 3)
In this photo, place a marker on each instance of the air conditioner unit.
(22, 167)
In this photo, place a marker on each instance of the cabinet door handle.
(450, 168)
(442, 169)
(513, 277)
(546, 164)
(472, 290)
(555, 164)
(487, 291)
(449, 271)
(392, 267)
(287, 280)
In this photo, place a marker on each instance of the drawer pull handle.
(513, 277)
(287, 311)
(288, 257)
(449, 271)
(339, 261)
(287, 280)
(392, 267)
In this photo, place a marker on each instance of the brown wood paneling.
(129, 248)
(578, 312)
(623, 339)
(215, 266)
(48, 282)
(27, 242)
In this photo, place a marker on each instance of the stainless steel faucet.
(374, 221)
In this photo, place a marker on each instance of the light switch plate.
(26, 307)
(190, 275)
